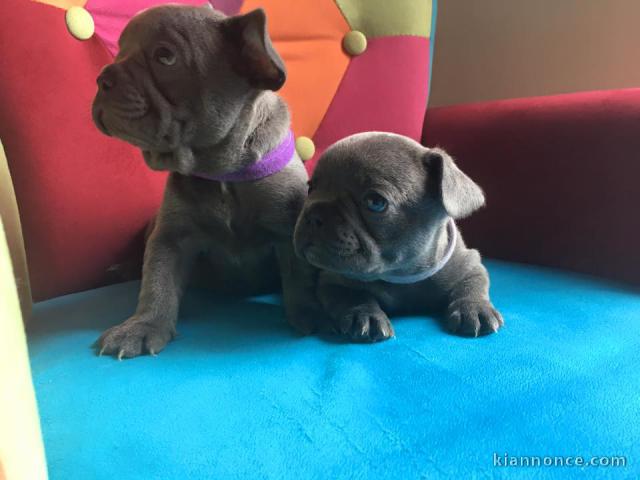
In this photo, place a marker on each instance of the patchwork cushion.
(238, 395)
(85, 198)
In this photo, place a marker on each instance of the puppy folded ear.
(459, 194)
(253, 55)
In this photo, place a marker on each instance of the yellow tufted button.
(79, 23)
(354, 42)
(305, 148)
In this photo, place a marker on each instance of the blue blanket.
(238, 395)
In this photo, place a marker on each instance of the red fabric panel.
(385, 88)
(84, 198)
(561, 175)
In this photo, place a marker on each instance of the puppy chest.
(227, 215)
(234, 229)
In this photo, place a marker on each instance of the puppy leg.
(356, 314)
(470, 312)
(299, 285)
(163, 277)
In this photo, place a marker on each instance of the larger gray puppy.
(379, 222)
(194, 90)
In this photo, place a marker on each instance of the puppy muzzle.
(119, 95)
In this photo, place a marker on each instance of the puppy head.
(181, 77)
(374, 198)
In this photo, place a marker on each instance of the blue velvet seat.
(238, 395)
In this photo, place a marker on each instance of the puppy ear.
(254, 56)
(459, 194)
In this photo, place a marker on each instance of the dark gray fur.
(194, 90)
(354, 247)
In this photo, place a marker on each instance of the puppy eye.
(164, 56)
(376, 202)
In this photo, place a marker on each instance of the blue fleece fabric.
(238, 395)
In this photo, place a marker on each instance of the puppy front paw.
(473, 318)
(365, 323)
(135, 337)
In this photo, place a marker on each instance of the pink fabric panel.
(228, 7)
(384, 89)
(111, 16)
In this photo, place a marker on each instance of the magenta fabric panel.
(383, 89)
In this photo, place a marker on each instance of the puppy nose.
(314, 220)
(348, 240)
(106, 80)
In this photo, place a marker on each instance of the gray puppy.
(194, 90)
(379, 222)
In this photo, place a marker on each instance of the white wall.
(494, 49)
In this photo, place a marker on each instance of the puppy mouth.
(332, 258)
(331, 251)
(121, 128)
(139, 115)
(98, 118)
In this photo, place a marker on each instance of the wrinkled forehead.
(168, 23)
(374, 164)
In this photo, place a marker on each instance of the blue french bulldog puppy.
(195, 90)
(379, 221)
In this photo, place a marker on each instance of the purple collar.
(271, 162)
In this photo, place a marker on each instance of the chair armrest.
(21, 449)
(11, 220)
(561, 175)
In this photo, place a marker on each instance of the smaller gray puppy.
(379, 222)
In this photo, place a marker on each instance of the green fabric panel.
(378, 18)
